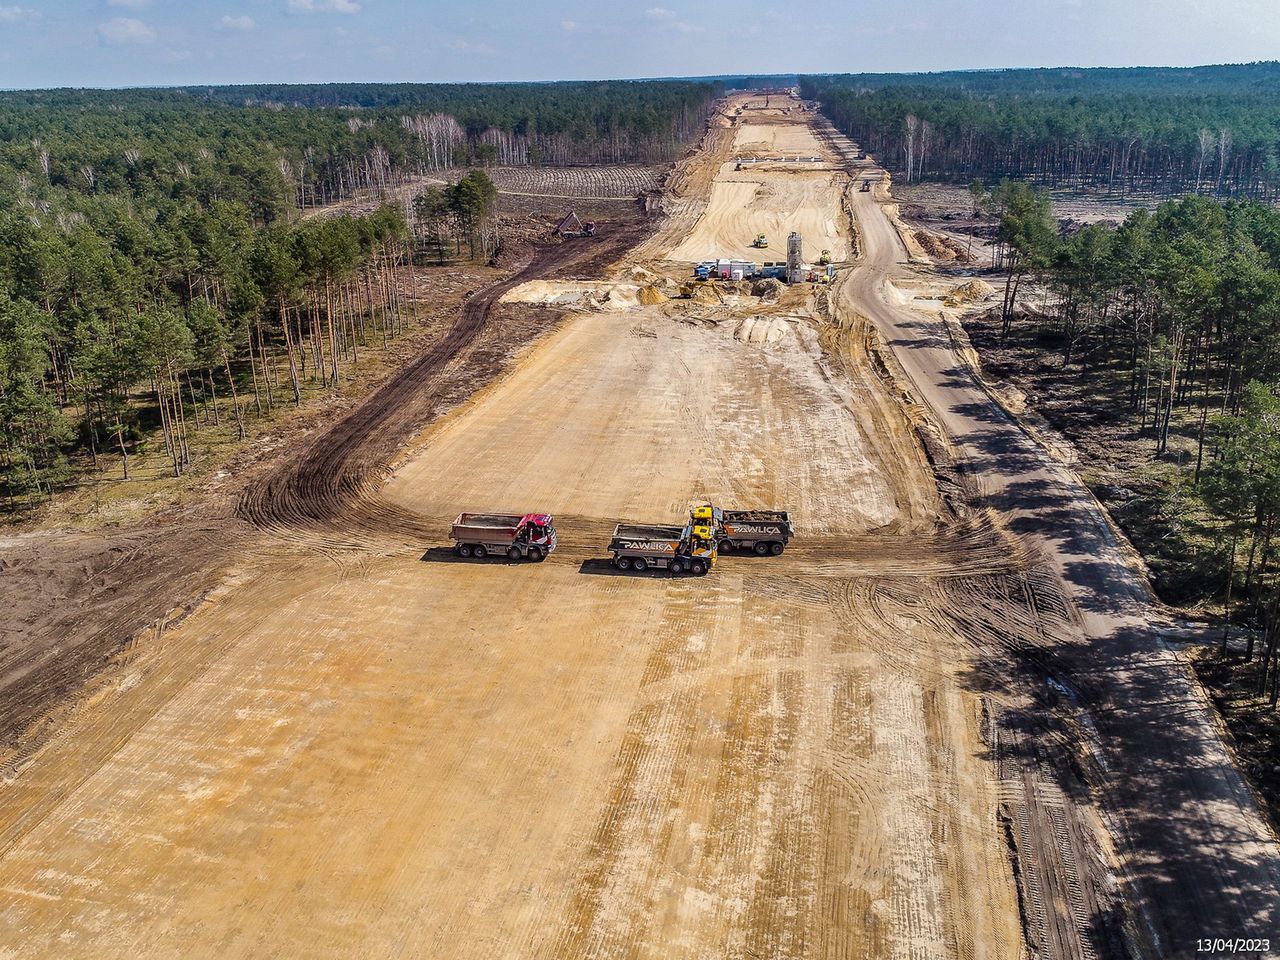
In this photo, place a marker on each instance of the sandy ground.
(769, 199)
(372, 749)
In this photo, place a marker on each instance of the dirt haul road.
(360, 749)
(1196, 857)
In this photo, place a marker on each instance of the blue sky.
(147, 42)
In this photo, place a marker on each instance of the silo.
(795, 267)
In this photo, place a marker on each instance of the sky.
(113, 43)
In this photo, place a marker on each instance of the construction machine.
(762, 532)
(640, 547)
(760, 241)
(825, 258)
(571, 227)
(866, 186)
(525, 536)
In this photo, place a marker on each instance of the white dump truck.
(528, 536)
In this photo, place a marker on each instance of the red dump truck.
(529, 536)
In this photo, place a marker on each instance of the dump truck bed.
(488, 520)
(757, 516)
(643, 531)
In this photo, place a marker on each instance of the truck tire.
(622, 563)
(536, 555)
(777, 547)
(464, 550)
(640, 564)
(726, 546)
(479, 551)
(698, 568)
(677, 567)
(513, 553)
(762, 549)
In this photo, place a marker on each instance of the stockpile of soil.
(971, 292)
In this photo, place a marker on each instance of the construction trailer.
(763, 532)
(527, 536)
(640, 547)
(571, 227)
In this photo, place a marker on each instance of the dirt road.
(361, 746)
(1198, 859)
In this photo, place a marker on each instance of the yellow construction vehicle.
(760, 241)
(825, 258)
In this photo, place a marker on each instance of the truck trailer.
(763, 531)
(529, 536)
(687, 549)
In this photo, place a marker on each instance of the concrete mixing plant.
(795, 266)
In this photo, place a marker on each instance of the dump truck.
(764, 532)
(528, 536)
(571, 227)
(640, 547)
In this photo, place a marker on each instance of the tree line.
(1182, 306)
(1152, 131)
(303, 146)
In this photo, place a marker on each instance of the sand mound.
(761, 330)
(584, 294)
(650, 295)
(970, 292)
(768, 289)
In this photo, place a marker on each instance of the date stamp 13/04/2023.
(1226, 946)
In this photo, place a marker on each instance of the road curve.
(1200, 859)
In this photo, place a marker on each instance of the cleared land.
(362, 746)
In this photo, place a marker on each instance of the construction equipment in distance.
(571, 227)
(640, 547)
(764, 532)
(825, 258)
(529, 536)
(760, 241)
(866, 186)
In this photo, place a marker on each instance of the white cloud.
(569, 25)
(17, 15)
(670, 20)
(323, 6)
(119, 31)
(482, 49)
(127, 4)
(242, 23)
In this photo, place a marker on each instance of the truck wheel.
(535, 554)
(762, 549)
(699, 568)
(464, 550)
(776, 548)
(726, 546)
(623, 563)
(479, 551)
(640, 564)
(513, 553)
(677, 567)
